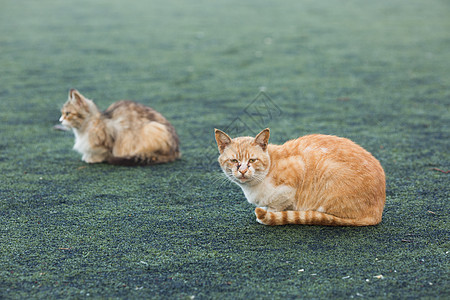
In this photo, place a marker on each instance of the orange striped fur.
(127, 133)
(313, 180)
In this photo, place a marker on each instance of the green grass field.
(377, 72)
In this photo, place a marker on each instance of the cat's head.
(245, 160)
(77, 110)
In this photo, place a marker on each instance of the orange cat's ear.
(222, 139)
(262, 139)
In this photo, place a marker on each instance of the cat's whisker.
(217, 177)
(220, 179)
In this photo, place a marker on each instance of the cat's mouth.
(243, 178)
(239, 178)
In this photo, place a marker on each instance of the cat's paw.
(92, 159)
(260, 215)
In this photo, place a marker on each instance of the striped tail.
(309, 217)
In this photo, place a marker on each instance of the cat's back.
(131, 112)
(329, 151)
(324, 145)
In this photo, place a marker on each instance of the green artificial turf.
(377, 72)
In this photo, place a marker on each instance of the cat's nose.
(243, 171)
(61, 119)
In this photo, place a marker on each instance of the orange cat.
(127, 133)
(315, 179)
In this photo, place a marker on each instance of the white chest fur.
(265, 194)
(81, 142)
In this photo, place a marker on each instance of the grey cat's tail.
(123, 161)
(138, 161)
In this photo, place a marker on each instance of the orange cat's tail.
(309, 217)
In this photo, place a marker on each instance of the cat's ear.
(262, 139)
(222, 139)
(77, 98)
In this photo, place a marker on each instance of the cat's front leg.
(278, 206)
(270, 209)
(93, 158)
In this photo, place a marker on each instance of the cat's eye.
(235, 161)
(67, 113)
(252, 160)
